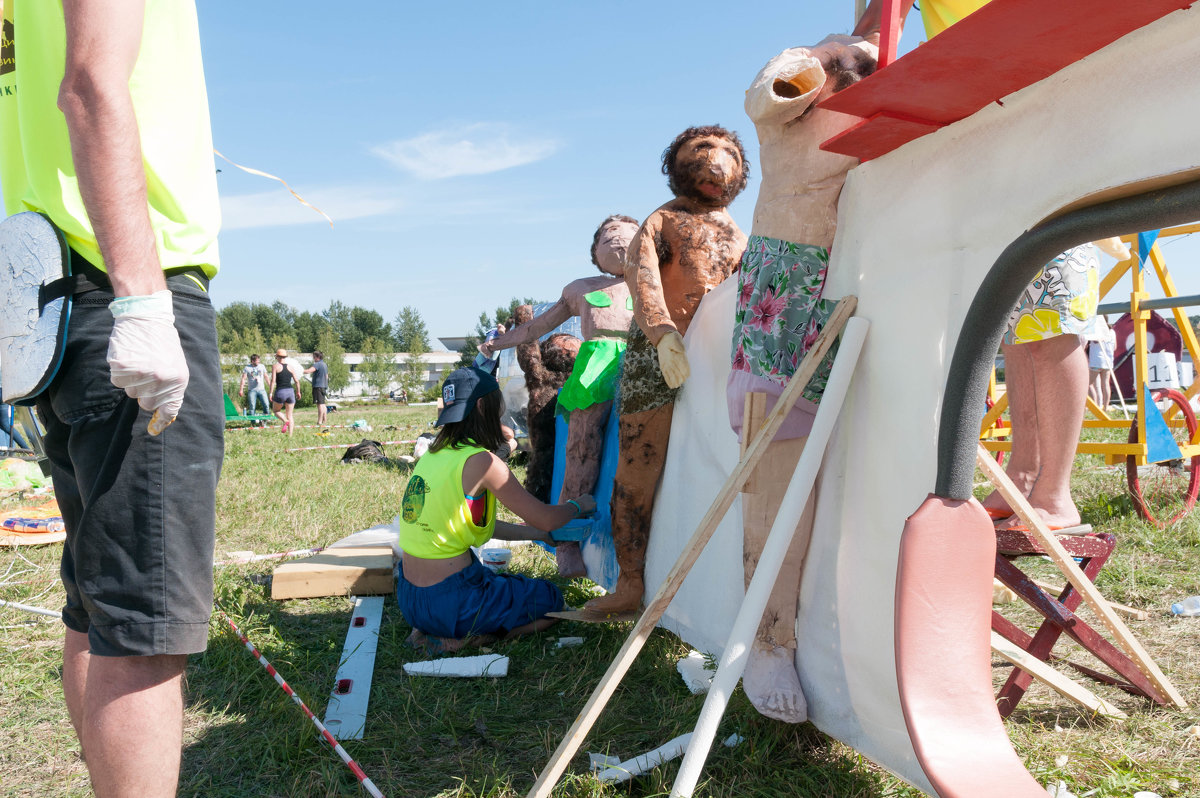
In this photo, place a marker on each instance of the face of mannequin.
(611, 246)
(709, 171)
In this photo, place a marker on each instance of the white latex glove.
(672, 359)
(145, 357)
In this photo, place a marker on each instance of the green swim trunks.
(593, 380)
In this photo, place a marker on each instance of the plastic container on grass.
(1188, 608)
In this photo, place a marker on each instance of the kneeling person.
(450, 506)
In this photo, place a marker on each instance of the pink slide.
(943, 654)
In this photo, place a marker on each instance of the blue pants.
(253, 397)
(475, 601)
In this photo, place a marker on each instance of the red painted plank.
(878, 135)
(1001, 48)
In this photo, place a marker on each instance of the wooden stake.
(1053, 679)
(1033, 521)
(691, 552)
(1132, 612)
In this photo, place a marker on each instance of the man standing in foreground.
(320, 383)
(104, 128)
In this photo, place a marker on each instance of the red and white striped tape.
(366, 782)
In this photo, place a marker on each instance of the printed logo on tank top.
(8, 58)
(414, 499)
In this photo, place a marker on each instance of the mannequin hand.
(145, 357)
(587, 505)
(672, 359)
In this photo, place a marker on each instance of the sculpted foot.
(771, 684)
(627, 597)
(570, 560)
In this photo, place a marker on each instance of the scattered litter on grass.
(1146, 794)
(696, 673)
(491, 666)
(569, 642)
(733, 740)
(1060, 761)
(626, 770)
(1059, 790)
(598, 761)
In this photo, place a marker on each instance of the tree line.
(246, 328)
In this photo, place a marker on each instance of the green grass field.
(429, 737)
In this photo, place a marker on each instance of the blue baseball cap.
(460, 391)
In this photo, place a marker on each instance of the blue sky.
(466, 152)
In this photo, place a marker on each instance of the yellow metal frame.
(994, 426)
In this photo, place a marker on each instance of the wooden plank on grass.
(361, 571)
(1053, 679)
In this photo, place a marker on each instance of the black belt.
(89, 278)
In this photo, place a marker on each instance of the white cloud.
(471, 150)
(280, 209)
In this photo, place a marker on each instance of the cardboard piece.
(336, 572)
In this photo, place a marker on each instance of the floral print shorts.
(1061, 300)
(780, 312)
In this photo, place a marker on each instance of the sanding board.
(365, 571)
(592, 616)
(346, 714)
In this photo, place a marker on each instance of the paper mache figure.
(605, 310)
(546, 365)
(779, 314)
(680, 253)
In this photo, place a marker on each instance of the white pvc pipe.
(27, 608)
(733, 659)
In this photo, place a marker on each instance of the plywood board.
(336, 572)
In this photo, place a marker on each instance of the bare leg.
(585, 445)
(291, 425)
(1060, 387)
(76, 656)
(130, 713)
(540, 625)
(643, 452)
(322, 414)
(277, 409)
(1024, 461)
(770, 680)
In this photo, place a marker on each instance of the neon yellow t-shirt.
(941, 14)
(435, 521)
(171, 104)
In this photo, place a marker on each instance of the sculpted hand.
(485, 349)
(672, 359)
(587, 505)
(145, 357)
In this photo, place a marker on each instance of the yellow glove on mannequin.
(672, 359)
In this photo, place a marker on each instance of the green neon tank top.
(435, 521)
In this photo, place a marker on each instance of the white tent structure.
(919, 229)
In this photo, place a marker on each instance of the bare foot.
(771, 684)
(1054, 520)
(626, 597)
(446, 645)
(570, 560)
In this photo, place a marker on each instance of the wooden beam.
(1053, 679)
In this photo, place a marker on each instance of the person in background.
(104, 129)
(284, 385)
(449, 506)
(253, 386)
(320, 383)
(1102, 344)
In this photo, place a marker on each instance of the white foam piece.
(569, 642)
(491, 666)
(695, 672)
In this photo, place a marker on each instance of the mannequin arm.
(644, 279)
(531, 330)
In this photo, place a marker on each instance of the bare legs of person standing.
(1047, 385)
